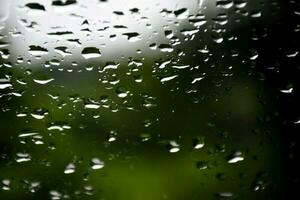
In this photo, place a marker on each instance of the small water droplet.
(5, 85)
(225, 4)
(55, 195)
(43, 82)
(133, 37)
(173, 146)
(70, 168)
(165, 48)
(6, 184)
(35, 6)
(91, 106)
(96, 163)
(225, 194)
(23, 157)
(168, 78)
(236, 157)
(28, 134)
(181, 13)
(90, 52)
(198, 143)
(121, 92)
(37, 50)
(39, 113)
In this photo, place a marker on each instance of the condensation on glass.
(136, 99)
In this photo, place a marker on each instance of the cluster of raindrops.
(87, 84)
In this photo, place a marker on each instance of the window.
(148, 100)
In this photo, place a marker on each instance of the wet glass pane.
(149, 100)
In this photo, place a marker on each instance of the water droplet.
(63, 51)
(180, 66)
(236, 157)
(133, 37)
(165, 48)
(34, 186)
(39, 113)
(145, 137)
(288, 89)
(181, 13)
(202, 165)
(5, 83)
(259, 185)
(43, 82)
(292, 54)
(70, 168)
(58, 126)
(225, 194)
(35, 6)
(6, 184)
(91, 106)
(90, 52)
(198, 143)
(110, 65)
(121, 92)
(168, 78)
(28, 134)
(225, 4)
(37, 50)
(96, 163)
(195, 80)
(173, 146)
(55, 195)
(23, 157)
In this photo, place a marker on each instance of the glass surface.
(149, 99)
